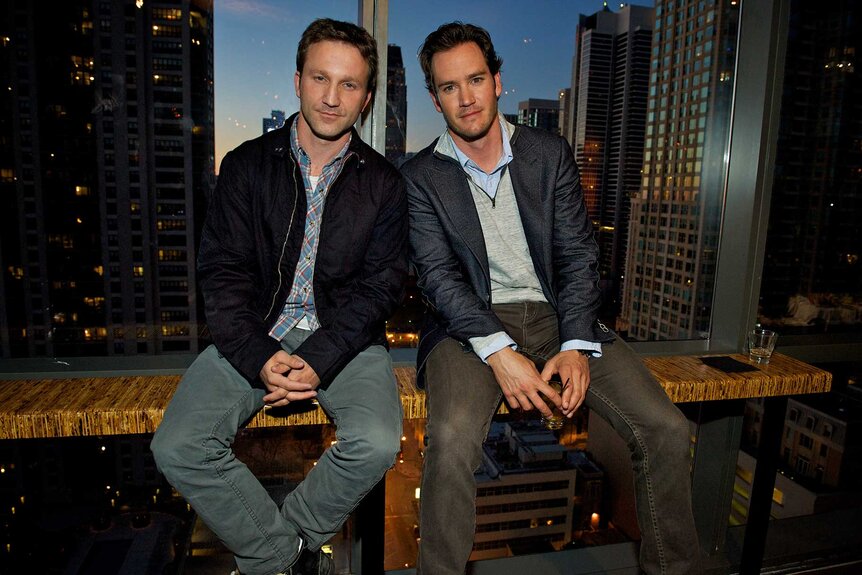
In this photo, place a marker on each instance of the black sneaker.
(312, 563)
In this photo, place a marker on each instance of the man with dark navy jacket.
(506, 260)
(302, 260)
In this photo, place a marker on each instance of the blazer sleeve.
(440, 271)
(575, 253)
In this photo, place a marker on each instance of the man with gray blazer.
(506, 261)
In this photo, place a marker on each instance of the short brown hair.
(451, 35)
(324, 29)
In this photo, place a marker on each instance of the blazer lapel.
(454, 192)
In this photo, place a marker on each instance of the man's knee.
(169, 451)
(457, 442)
(376, 449)
(679, 430)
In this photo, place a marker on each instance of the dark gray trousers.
(463, 396)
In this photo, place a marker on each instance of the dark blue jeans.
(463, 395)
(192, 448)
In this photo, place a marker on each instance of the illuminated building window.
(95, 302)
(175, 330)
(172, 255)
(778, 496)
(167, 13)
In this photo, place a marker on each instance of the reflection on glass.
(812, 275)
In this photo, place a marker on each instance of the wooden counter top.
(68, 407)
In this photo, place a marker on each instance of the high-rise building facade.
(108, 151)
(540, 113)
(609, 101)
(565, 97)
(676, 213)
(820, 465)
(396, 106)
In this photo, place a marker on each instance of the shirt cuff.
(485, 346)
(595, 349)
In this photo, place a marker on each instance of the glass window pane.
(596, 81)
(110, 147)
(812, 272)
(811, 287)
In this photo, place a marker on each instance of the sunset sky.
(255, 53)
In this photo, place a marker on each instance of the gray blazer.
(448, 251)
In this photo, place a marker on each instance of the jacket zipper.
(290, 225)
(284, 244)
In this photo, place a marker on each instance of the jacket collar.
(280, 142)
(446, 146)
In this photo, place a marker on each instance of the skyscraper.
(107, 137)
(396, 106)
(676, 212)
(540, 113)
(564, 125)
(609, 100)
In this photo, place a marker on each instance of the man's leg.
(364, 403)
(462, 397)
(624, 393)
(192, 448)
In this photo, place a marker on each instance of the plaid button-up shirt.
(300, 300)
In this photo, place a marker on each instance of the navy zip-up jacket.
(251, 243)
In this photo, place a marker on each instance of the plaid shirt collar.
(333, 167)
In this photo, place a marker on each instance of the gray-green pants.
(192, 448)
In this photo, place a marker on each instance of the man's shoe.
(312, 563)
(308, 563)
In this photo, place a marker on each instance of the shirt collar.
(302, 156)
(447, 146)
